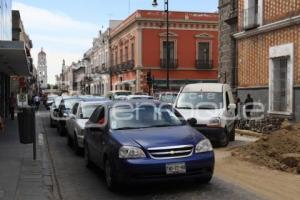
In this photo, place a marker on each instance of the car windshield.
(69, 103)
(200, 100)
(143, 116)
(168, 98)
(87, 110)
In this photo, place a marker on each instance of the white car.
(210, 108)
(75, 124)
(53, 111)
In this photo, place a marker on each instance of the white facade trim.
(286, 50)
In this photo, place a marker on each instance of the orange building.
(138, 45)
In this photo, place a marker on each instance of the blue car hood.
(158, 137)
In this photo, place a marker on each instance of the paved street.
(77, 182)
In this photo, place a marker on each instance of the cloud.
(61, 36)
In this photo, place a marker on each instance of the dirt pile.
(279, 150)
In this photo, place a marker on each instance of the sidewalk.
(22, 178)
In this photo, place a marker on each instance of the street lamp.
(154, 3)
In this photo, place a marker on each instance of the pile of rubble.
(279, 150)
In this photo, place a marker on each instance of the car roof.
(131, 101)
(84, 103)
(204, 87)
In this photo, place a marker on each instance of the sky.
(65, 28)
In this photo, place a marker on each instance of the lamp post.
(168, 45)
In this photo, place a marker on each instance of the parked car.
(212, 108)
(63, 110)
(140, 141)
(113, 95)
(168, 97)
(54, 111)
(131, 97)
(50, 101)
(75, 124)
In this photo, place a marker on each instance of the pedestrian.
(37, 101)
(12, 104)
(248, 105)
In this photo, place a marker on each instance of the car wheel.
(232, 135)
(60, 130)
(70, 141)
(87, 159)
(224, 141)
(110, 180)
(51, 123)
(206, 179)
(76, 147)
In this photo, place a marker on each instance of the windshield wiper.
(164, 125)
(184, 107)
(206, 108)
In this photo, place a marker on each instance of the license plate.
(175, 168)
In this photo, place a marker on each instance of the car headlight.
(130, 152)
(214, 122)
(203, 146)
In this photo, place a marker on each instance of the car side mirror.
(192, 121)
(56, 110)
(232, 106)
(81, 116)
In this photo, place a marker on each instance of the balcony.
(129, 65)
(251, 17)
(204, 64)
(173, 63)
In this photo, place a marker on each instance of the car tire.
(77, 149)
(232, 135)
(60, 130)
(87, 160)
(110, 179)
(51, 123)
(224, 141)
(206, 179)
(69, 141)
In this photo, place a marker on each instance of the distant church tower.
(42, 69)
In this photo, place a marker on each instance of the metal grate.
(171, 152)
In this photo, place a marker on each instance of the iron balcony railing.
(173, 63)
(204, 64)
(251, 18)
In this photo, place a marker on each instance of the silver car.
(75, 123)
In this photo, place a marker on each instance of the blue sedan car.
(145, 141)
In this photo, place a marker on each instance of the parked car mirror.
(81, 116)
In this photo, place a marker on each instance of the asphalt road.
(75, 181)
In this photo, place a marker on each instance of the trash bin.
(26, 122)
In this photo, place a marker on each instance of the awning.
(13, 59)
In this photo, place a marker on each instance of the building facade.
(42, 69)
(138, 46)
(15, 59)
(269, 54)
(79, 74)
(228, 11)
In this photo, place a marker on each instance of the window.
(280, 84)
(203, 57)
(171, 50)
(126, 54)
(252, 14)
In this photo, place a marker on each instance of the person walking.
(248, 105)
(12, 105)
(37, 101)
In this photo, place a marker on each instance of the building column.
(139, 55)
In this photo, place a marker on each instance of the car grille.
(171, 152)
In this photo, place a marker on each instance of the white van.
(210, 108)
